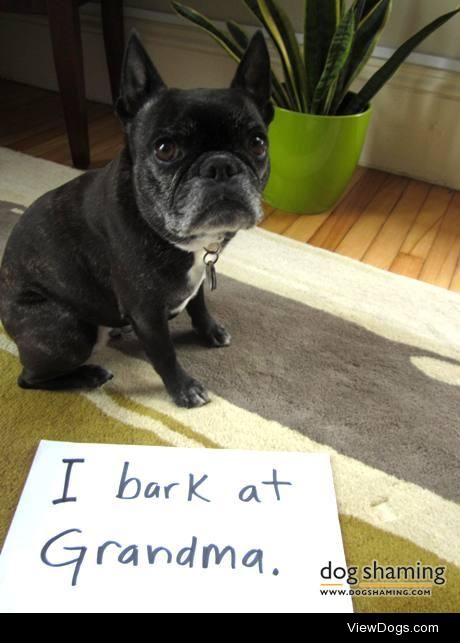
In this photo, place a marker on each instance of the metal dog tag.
(211, 275)
(210, 259)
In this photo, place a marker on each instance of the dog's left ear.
(254, 75)
(139, 79)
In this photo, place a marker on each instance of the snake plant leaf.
(359, 10)
(283, 36)
(243, 39)
(282, 29)
(287, 84)
(281, 97)
(235, 51)
(253, 6)
(361, 100)
(367, 34)
(322, 18)
(238, 35)
(363, 8)
(337, 58)
(288, 98)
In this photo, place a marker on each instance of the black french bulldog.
(126, 244)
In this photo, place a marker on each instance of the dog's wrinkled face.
(200, 156)
(201, 162)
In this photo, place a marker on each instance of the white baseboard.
(415, 129)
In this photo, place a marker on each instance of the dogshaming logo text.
(376, 579)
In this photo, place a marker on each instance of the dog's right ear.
(253, 75)
(139, 79)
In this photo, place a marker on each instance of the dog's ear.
(139, 79)
(254, 75)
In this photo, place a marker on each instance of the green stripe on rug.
(172, 424)
(364, 543)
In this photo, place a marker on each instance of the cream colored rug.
(328, 355)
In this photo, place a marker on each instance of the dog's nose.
(219, 167)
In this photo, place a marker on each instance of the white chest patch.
(195, 278)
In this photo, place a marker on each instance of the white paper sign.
(111, 528)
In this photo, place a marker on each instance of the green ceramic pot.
(312, 159)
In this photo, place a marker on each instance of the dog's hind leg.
(53, 345)
(83, 377)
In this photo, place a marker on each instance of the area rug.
(328, 355)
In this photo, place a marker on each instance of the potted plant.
(320, 124)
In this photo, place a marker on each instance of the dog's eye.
(166, 150)
(258, 146)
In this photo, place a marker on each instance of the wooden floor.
(401, 225)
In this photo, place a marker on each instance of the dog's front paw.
(191, 394)
(217, 336)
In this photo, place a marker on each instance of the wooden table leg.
(114, 39)
(64, 20)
